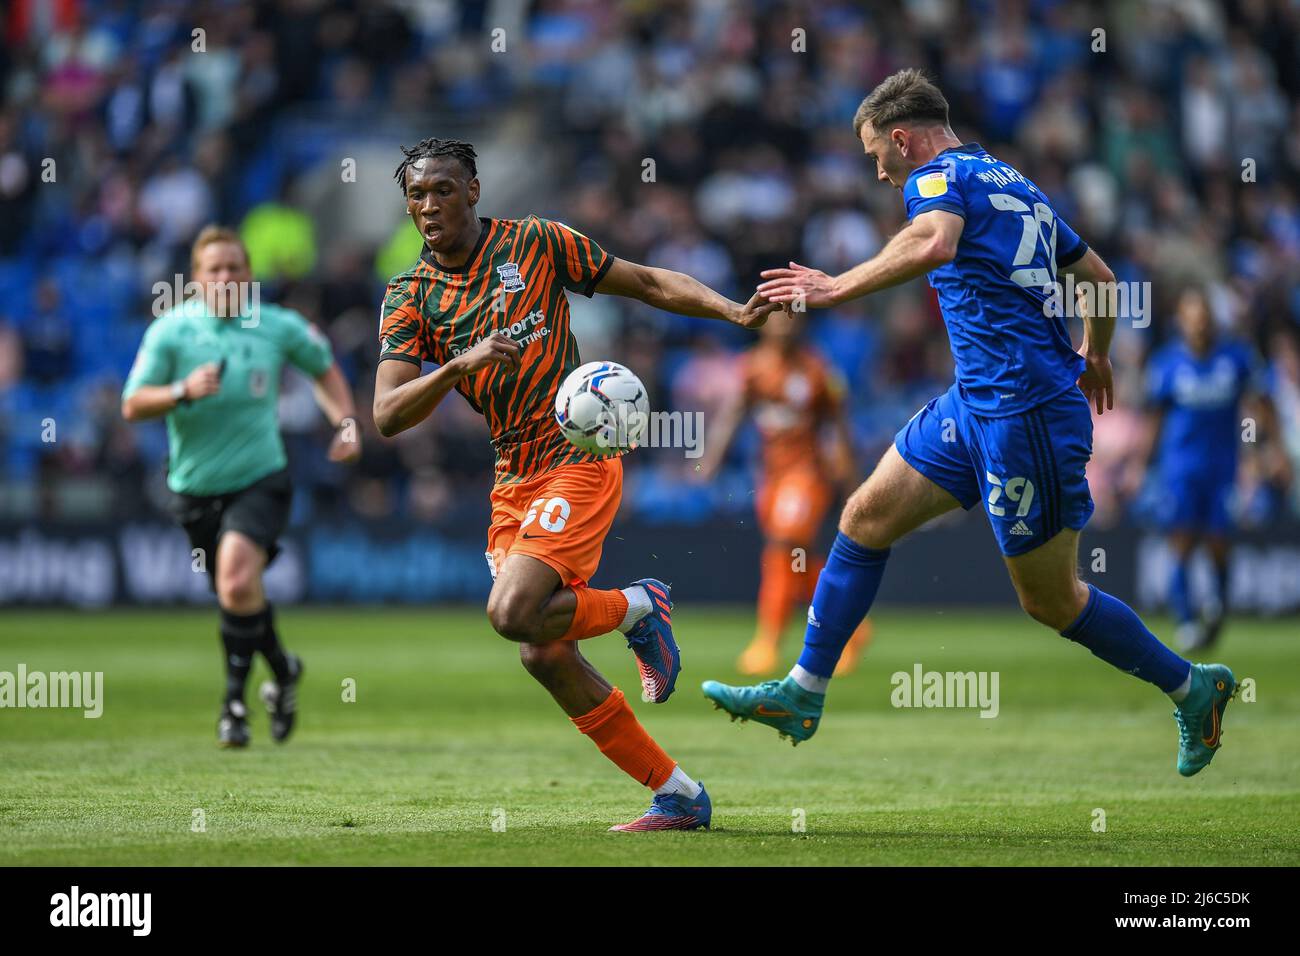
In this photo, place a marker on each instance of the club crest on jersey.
(510, 280)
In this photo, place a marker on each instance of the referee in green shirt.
(212, 366)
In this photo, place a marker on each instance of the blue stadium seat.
(17, 282)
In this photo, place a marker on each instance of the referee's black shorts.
(260, 511)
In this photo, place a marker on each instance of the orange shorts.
(560, 517)
(791, 506)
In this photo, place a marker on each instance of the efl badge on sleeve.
(931, 185)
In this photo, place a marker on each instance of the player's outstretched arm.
(721, 435)
(927, 243)
(1092, 280)
(843, 467)
(1135, 471)
(403, 397)
(1276, 462)
(677, 292)
(334, 398)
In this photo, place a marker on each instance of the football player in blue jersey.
(1197, 387)
(1013, 434)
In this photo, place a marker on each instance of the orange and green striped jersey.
(513, 282)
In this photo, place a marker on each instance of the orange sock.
(615, 730)
(777, 589)
(597, 613)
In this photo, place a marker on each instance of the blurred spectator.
(47, 339)
(281, 239)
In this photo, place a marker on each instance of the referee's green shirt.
(229, 440)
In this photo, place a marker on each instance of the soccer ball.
(601, 407)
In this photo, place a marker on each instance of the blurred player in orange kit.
(794, 396)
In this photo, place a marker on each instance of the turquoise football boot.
(783, 704)
(1200, 716)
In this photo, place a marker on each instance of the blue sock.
(1109, 628)
(1180, 598)
(845, 589)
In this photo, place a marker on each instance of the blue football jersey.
(1201, 397)
(1012, 351)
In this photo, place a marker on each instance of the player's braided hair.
(433, 147)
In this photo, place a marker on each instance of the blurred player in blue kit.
(1013, 434)
(1201, 388)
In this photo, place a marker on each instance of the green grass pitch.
(448, 735)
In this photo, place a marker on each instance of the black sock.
(239, 637)
(269, 645)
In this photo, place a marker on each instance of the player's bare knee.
(1056, 611)
(1033, 607)
(545, 661)
(238, 588)
(866, 522)
(513, 616)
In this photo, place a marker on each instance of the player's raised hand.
(497, 349)
(754, 313)
(813, 287)
(203, 381)
(1096, 382)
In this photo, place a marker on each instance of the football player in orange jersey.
(794, 397)
(486, 302)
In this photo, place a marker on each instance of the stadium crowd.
(1170, 140)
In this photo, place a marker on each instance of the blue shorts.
(1195, 501)
(1027, 469)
